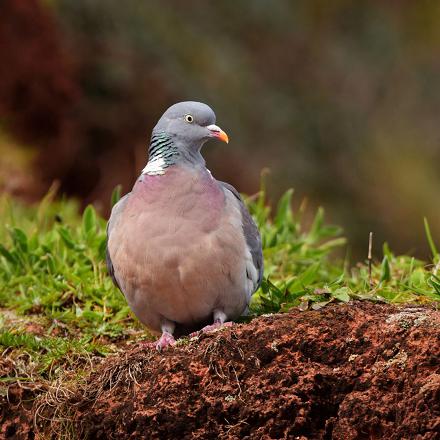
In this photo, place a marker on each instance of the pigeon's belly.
(182, 257)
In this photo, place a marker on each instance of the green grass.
(302, 270)
(55, 267)
(53, 275)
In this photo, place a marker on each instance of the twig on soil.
(231, 427)
(238, 383)
(370, 258)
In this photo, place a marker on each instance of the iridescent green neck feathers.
(161, 154)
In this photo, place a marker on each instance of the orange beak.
(218, 133)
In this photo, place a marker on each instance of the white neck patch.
(155, 166)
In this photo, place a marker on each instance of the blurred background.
(340, 99)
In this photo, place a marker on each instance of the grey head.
(180, 134)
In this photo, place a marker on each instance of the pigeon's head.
(191, 124)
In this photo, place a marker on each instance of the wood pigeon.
(182, 247)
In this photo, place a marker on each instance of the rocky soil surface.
(348, 371)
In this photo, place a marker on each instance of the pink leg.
(167, 339)
(219, 322)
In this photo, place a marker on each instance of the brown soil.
(355, 371)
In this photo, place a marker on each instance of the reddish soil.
(355, 371)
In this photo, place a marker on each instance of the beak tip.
(218, 133)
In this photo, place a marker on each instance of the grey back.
(251, 233)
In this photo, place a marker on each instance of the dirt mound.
(355, 371)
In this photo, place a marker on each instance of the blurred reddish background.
(339, 99)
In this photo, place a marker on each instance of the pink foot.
(212, 328)
(164, 341)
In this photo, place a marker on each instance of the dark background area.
(341, 100)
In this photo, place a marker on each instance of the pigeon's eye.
(189, 119)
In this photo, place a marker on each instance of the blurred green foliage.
(340, 99)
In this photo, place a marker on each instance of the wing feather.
(251, 234)
(117, 210)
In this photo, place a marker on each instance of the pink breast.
(180, 192)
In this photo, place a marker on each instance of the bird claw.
(164, 341)
(211, 328)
